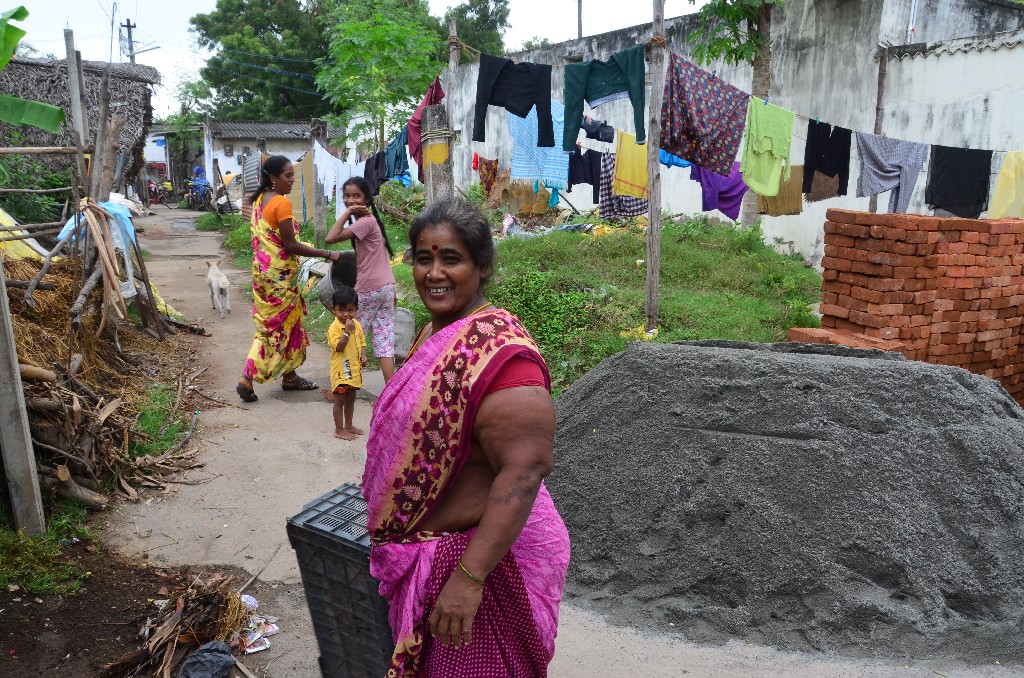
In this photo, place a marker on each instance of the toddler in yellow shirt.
(348, 356)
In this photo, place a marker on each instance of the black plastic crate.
(350, 618)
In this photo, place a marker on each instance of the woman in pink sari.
(468, 546)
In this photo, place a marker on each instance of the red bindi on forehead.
(433, 247)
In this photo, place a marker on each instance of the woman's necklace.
(485, 305)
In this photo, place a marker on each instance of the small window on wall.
(229, 150)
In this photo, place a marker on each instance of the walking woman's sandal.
(299, 384)
(246, 394)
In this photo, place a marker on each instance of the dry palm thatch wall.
(47, 81)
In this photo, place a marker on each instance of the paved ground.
(267, 459)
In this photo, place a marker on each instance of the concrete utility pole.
(579, 17)
(437, 160)
(652, 299)
(128, 26)
(453, 62)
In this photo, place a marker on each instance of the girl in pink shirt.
(375, 283)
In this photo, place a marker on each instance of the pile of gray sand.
(807, 497)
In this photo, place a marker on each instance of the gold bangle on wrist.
(470, 574)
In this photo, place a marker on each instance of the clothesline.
(818, 119)
(815, 118)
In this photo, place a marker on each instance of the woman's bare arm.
(515, 429)
(286, 229)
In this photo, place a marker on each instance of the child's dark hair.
(343, 296)
(272, 167)
(364, 187)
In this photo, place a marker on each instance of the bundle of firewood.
(79, 374)
(86, 436)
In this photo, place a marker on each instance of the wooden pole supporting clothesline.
(652, 300)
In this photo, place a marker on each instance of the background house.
(951, 76)
(171, 152)
(230, 142)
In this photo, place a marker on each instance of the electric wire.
(271, 56)
(303, 76)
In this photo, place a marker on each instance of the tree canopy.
(382, 57)
(265, 66)
(481, 24)
(280, 59)
(731, 30)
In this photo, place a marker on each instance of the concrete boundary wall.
(944, 291)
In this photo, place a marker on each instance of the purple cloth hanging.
(721, 193)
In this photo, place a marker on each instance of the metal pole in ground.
(437, 158)
(15, 437)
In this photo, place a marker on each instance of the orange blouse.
(278, 209)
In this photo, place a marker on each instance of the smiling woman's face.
(447, 278)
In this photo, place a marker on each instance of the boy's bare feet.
(354, 430)
(344, 435)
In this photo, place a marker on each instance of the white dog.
(219, 288)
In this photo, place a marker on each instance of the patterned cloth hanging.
(703, 116)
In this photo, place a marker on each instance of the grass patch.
(577, 293)
(318, 318)
(156, 430)
(211, 221)
(37, 564)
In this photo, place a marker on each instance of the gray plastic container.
(350, 618)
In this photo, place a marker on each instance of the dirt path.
(265, 460)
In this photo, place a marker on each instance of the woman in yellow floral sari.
(278, 310)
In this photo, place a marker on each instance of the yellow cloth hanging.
(630, 176)
(1008, 193)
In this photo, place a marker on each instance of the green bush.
(28, 208)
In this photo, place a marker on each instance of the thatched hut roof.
(47, 81)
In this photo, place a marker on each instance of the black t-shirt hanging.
(827, 152)
(958, 180)
(517, 88)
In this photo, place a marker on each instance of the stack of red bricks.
(946, 291)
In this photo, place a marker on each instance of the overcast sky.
(165, 25)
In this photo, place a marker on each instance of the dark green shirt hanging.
(600, 82)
